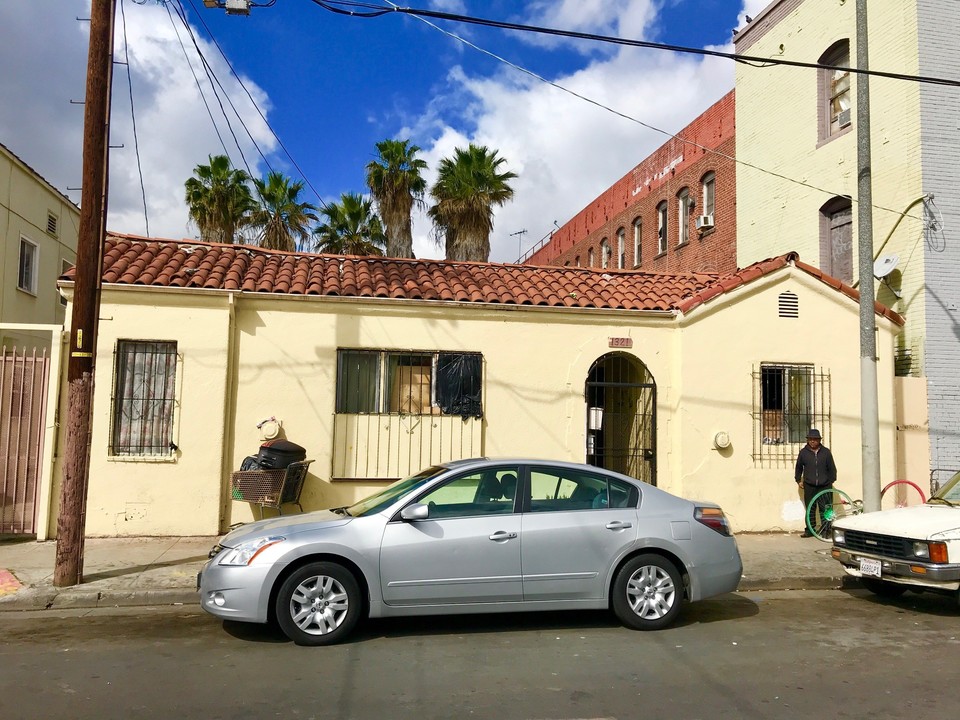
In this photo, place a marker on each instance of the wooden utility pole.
(86, 296)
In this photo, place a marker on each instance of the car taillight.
(713, 518)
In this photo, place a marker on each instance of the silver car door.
(571, 534)
(466, 551)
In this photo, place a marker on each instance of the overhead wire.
(133, 115)
(421, 17)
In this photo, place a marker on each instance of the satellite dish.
(885, 265)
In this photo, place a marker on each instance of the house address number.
(624, 342)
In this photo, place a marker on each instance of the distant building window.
(683, 217)
(836, 239)
(29, 260)
(621, 250)
(637, 232)
(52, 224)
(662, 228)
(145, 376)
(604, 253)
(381, 382)
(590, 262)
(577, 261)
(708, 191)
(789, 400)
(834, 90)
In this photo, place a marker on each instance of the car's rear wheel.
(319, 604)
(882, 588)
(647, 593)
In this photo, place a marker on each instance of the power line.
(374, 11)
(133, 116)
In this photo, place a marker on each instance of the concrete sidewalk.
(162, 571)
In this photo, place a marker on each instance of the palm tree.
(219, 199)
(282, 221)
(468, 186)
(350, 227)
(395, 178)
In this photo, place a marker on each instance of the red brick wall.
(677, 164)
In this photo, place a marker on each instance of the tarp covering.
(458, 384)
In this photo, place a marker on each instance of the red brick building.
(674, 212)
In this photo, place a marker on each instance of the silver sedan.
(476, 536)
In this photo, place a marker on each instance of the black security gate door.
(621, 417)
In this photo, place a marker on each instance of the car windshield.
(949, 493)
(379, 500)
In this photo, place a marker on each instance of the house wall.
(25, 200)
(708, 144)
(248, 357)
(758, 493)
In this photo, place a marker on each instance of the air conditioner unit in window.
(844, 118)
(705, 222)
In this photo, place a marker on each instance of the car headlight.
(244, 553)
(838, 537)
(921, 550)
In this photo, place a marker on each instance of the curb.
(75, 599)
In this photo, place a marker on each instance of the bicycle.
(839, 505)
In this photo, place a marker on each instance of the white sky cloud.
(564, 149)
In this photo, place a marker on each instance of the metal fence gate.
(23, 402)
(622, 417)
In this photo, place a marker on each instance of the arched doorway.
(621, 400)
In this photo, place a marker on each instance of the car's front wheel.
(319, 604)
(882, 588)
(647, 593)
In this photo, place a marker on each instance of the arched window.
(836, 239)
(590, 258)
(637, 232)
(604, 253)
(621, 250)
(833, 91)
(708, 190)
(683, 217)
(662, 228)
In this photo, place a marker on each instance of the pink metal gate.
(23, 403)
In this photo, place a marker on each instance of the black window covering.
(458, 384)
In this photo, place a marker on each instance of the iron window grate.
(144, 398)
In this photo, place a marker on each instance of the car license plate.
(869, 566)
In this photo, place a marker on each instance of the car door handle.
(503, 535)
(617, 525)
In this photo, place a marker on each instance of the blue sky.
(332, 86)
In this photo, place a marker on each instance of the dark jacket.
(816, 468)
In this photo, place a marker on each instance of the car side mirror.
(415, 511)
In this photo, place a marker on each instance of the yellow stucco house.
(38, 230)
(702, 384)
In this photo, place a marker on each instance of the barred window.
(145, 377)
(409, 383)
(788, 401)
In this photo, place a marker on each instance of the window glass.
(835, 90)
(558, 489)
(661, 228)
(621, 250)
(786, 395)
(604, 253)
(27, 275)
(486, 492)
(358, 377)
(709, 190)
(637, 231)
(144, 397)
(683, 217)
(409, 379)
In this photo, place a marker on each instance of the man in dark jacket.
(817, 471)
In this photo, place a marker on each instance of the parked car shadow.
(929, 603)
(256, 632)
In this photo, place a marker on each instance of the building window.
(29, 260)
(637, 232)
(834, 91)
(577, 261)
(379, 382)
(788, 401)
(683, 217)
(836, 239)
(145, 375)
(621, 250)
(604, 253)
(662, 228)
(708, 188)
(590, 262)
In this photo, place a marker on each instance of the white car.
(908, 548)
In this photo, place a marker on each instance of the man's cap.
(814, 433)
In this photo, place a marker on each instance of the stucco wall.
(722, 345)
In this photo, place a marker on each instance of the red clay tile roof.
(133, 260)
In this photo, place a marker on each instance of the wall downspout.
(229, 410)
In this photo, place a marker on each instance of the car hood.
(935, 522)
(285, 526)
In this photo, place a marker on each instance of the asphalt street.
(780, 654)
